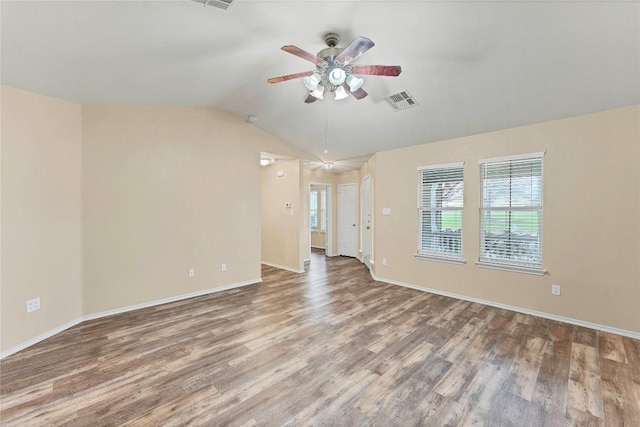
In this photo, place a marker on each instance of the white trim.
(441, 166)
(169, 299)
(282, 267)
(449, 260)
(514, 157)
(40, 337)
(538, 271)
(113, 312)
(372, 262)
(596, 326)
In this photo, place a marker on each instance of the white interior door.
(365, 211)
(348, 219)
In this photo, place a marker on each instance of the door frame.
(328, 234)
(367, 260)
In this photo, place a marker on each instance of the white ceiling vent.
(401, 101)
(220, 4)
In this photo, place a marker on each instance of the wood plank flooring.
(328, 347)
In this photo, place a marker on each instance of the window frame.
(504, 264)
(456, 258)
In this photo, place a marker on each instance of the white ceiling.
(473, 66)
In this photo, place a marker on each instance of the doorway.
(320, 218)
(348, 219)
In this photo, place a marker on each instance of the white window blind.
(511, 213)
(440, 204)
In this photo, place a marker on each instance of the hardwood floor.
(328, 347)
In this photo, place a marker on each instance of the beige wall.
(591, 218)
(318, 239)
(41, 223)
(165, 190)
(282, 226)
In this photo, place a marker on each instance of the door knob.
(353, 225)
(368, 227)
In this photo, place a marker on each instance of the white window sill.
(448, 260)
(511, 267)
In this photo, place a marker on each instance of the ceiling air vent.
(401, 101)
(220, 4)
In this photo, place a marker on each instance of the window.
(317, 210)
(440, 204)
(511, 213)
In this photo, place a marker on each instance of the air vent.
(220, 4)
(401, 101)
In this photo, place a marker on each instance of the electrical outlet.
(384, 261)
(33, 305)
(555, 290)
(192, 272)
(223, 267)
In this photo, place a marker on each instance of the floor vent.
(401, 101)
(220, 4)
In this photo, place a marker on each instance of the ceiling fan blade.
(354, 50)
(289, 77)
(295, 50)
(359, 94)
(377, 70)
(310, 99)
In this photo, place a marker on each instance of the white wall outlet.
(384, 261)
(223, 267)
(192, 272)
(33, 305)
(555, 290)
(386, 211)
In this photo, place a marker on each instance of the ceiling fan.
(334, 71)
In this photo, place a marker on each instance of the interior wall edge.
(550, 316)
(282, 267)
(114, 312)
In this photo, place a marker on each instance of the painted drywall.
(165, 190)
(41, 220)
(282, 225)
(318, 239)
(591, 218)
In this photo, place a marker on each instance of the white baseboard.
(317, 247)
(39, 338)
(85, 318)
(282, 267)
(169, 299)
(596, 326)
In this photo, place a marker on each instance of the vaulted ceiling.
(472, 67)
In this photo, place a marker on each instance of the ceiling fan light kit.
(333, 70)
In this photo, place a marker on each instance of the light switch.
(386, 211)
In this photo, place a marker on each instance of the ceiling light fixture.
(318, 92)
(328, 165)
(354, 82)
(337, 76)
(312, 81)
(341, 93)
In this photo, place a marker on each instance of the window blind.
(511, 212)
(440, 204)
